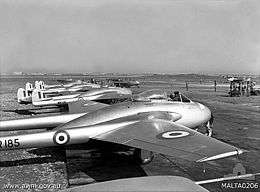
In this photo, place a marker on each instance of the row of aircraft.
(25, 96)
(48, 95)
(61, 98)
(149, 122)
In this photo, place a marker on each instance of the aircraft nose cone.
(205, 111)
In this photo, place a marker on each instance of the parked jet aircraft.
(127, 84)
(64, 81)
(163, 126)
(77, 86)
(24, 96)
(42, 85)
(102, 94)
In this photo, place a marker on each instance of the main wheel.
(143, 156)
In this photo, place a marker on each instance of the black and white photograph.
(129, 95)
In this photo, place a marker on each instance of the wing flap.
(170, 139)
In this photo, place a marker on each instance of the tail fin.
(37, 95)
(39, 85)
(21, 94)
(28, 86)
(42, 83)
(28, 89)
(36, 83)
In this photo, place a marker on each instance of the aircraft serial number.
(9, 143)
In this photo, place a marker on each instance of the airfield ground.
(237, 122)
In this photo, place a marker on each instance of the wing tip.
(222, 155)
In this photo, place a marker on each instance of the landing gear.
(143, 156)
(209, 130)
(206, 128)
(209, 126)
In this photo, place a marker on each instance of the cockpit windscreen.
(177, 96)
(158, 94)
(151, 94)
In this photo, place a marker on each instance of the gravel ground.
(236, 122)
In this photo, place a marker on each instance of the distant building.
(18, 73)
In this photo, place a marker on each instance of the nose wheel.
(209, 130)
(206, 128)
(209, 126)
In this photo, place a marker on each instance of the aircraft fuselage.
(190, 114)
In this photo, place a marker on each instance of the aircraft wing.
(142, 131)
(143, 184)
(171, 139)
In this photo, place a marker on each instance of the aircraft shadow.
(104, 167)
(107, 162)
(85, 164)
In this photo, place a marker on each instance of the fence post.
(215, 85)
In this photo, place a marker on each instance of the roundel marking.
(61, 137)
(173, 134)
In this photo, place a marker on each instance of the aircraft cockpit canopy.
(177, 96)
(158, 94)
(151, 95)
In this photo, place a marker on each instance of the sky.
(137, 36)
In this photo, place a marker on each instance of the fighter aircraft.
(64, 81)
(24, 96)
(41, 84)
(49, 101)
(104, 94)
(164, 127)
(122, 83)
(77, 86)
